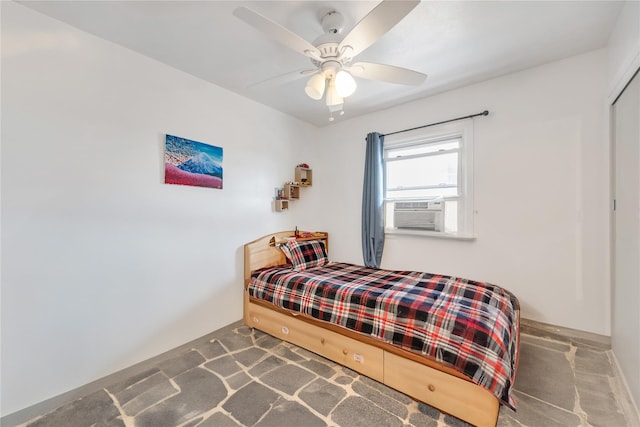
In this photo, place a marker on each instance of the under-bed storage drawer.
(360, 357)
(436, 388)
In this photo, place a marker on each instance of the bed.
(449, 342)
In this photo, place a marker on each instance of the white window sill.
(420, 233)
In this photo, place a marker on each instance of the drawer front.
(361, 357)
(450, 394)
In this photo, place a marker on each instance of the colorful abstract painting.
(194, 163)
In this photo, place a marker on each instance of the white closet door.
(625, 323)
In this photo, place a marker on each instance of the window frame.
(462, 130)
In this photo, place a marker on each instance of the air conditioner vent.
(422, 215)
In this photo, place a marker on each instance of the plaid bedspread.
(470, 326)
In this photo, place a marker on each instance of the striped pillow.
(306, 254)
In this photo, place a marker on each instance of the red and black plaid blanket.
(470, 326)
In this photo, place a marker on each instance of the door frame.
(630, 407)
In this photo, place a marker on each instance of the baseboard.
(49, 405)
(560, 333)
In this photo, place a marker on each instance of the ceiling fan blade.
(373, 26)
(277, 32)
(283, 78)
(386, 73)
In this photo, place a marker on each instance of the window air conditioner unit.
(422, 215)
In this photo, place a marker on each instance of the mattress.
(470, 326)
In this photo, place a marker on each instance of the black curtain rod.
(484, 113)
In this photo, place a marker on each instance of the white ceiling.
(455, 42)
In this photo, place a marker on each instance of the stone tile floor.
(242, 377)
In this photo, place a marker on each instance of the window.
(428, 188)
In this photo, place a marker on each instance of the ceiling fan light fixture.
(315, 86)
(333, 98)
(345, 84)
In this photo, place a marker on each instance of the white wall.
(102, 264)
(541, 189)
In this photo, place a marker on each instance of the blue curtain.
(372, 201)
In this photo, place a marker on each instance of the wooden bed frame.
(439, 386)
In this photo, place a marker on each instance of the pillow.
(307, 254)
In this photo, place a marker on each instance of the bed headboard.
(263, 252)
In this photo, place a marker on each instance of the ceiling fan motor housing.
(328, 52)
(332, 24)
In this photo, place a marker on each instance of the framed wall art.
(188, 162)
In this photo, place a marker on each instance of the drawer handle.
(431, 387)
(345, 351)
(322, 341)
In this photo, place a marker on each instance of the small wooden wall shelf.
(303, 176)
(282, 205)
(291, 190)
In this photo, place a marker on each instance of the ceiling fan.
(332, 53)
